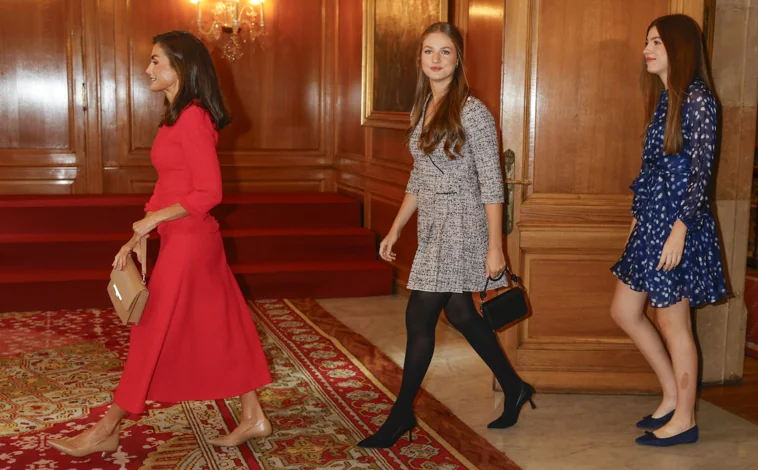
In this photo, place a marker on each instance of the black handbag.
(506, 308)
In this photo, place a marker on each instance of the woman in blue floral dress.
(672, 254)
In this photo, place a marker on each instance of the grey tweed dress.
(452, 225)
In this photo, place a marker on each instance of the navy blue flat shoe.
(687, 437)
(648, 422)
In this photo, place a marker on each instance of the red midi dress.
(196, 339)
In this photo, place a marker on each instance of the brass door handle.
(524, 182)
(509, 161)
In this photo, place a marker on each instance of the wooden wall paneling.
(351, 140)
(388, 149)
(243, 179)
(113, 75)
(279, 93)
(235, 179)
(349, 135)
(92, 67)
(134, 179)
(42, 136)
(38, 180)
(329, 40)
(350, 191)
(350, 184)
(362, 170)
(481, 22)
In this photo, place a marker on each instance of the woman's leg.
(462, 313)
(102, 437)
(421, 316)
(627, 310)
(253, 423)
(676, 325)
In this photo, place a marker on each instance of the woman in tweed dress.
(457, 187)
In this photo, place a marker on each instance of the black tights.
(421, 317)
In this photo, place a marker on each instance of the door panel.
(572, 114)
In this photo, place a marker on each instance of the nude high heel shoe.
(243, 433)
(109, 444)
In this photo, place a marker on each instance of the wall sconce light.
(240, 21)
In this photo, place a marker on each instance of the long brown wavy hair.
(683, 40)
(192, 62)
(446, 123)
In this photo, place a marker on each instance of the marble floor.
(565, 432)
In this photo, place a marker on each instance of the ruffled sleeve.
(699, 119)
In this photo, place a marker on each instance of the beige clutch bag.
(127, 288)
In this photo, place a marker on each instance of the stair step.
(23, 289)
(56, 251)
(87, 250)
(104, 214)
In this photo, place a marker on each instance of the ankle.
(398, 418)
(105, 429)
(252, 422)
(683, 419)
(668, 404)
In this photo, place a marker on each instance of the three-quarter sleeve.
(699, 116)
(150, 205)
(198, 141)
(412, 186)
(481, 137)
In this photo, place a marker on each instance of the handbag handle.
(142, 255)
(511, 275)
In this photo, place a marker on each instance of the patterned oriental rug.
(58, 370)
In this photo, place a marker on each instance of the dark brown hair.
(683, 40)
(192, 62)
(446, 122)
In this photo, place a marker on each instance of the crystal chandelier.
(234, 23)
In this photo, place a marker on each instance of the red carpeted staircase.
(56, 251)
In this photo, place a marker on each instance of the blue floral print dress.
(671, 187)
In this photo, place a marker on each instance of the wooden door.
(572, 119)
(42, 136)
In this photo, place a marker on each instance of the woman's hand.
(144, 226)
(495, 262)
(671, 255)
(120, 261)
(385, 248)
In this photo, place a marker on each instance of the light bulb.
(256, 2)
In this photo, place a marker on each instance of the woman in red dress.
(196, 339)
